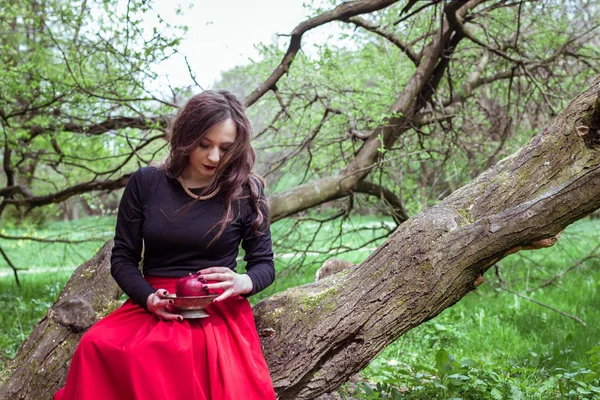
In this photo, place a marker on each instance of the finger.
(161, 293)
(164, 303)
(224, 296)
(166, 312)
(212, 270)
(219, 285)
(167, 316)
(226, 276)
(158, 305)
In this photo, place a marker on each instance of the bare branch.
(306, 142)
(409, 5)
(582, 261)
(456, 21)
(539, 303)
(36, 201)
(11, 265)
(397, 208)
(110, 124)
(405, 47)
(340, 13)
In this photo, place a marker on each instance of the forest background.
(400, 105)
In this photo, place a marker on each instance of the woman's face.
(204, 159)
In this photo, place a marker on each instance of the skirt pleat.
(133, 355)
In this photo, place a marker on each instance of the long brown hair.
(234, 170)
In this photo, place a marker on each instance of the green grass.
(492, 344)
(22, 307)
(37, 255)
(44, 270)
(517, 348)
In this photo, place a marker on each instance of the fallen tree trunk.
(40, 368)
(316, 336)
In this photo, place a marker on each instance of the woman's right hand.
(159, 304)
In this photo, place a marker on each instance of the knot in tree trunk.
(76, 314)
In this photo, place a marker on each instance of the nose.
(214, 155)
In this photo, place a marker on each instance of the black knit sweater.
(175, 231)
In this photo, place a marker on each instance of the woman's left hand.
(230, 282)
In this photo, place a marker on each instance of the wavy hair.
(234, 170)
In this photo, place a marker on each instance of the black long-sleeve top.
(175, 231)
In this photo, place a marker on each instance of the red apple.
(188, 286)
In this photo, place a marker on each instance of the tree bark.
(40, 368)
(318, 335)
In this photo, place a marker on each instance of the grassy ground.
(36, 255)
(492, 344)
(45, 269)
(23, 307)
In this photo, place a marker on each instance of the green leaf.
(496, 395)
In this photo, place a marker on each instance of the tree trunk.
(40, 368)
(316, 336)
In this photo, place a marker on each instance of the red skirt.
(133, 355)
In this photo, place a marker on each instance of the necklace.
(195, 196)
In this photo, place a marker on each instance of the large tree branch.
(418, 88)
(98, 128)
(318, 335)
(32, 201)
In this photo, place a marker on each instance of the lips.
(208, 167)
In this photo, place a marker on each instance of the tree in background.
(75, 110)
(412, 101)
(75, 107)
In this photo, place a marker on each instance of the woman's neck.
(193, 182)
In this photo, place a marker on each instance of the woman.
(188, 216)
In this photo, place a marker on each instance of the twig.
(545, 305)
(10, 264)
(284, 107)
(564, 314)
(395, 40)
(432, 3)
(192, 75)
(543, 93)
(566, 271)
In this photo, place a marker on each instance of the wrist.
(248, 285)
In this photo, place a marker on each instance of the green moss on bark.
(312, 300)
(108, 308)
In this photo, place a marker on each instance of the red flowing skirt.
(133, 355)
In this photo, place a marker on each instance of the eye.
(224, 149)
(203, 146)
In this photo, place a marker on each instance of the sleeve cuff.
(255, 285)
(142, 298)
